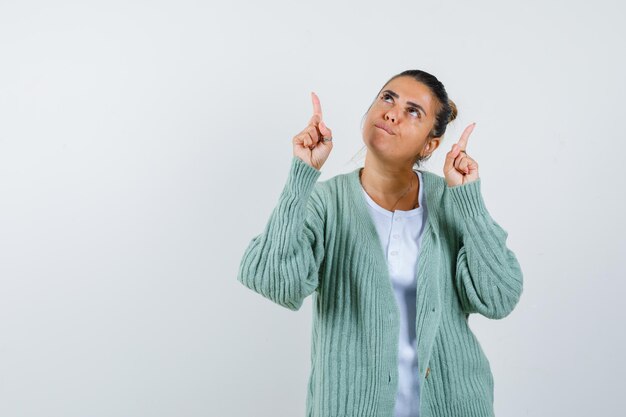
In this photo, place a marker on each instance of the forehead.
(410, 89)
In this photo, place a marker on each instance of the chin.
(378, 138)
(379, 146)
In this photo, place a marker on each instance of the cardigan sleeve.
(282, 263)
(488, 278)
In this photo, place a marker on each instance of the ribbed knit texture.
(320, 240)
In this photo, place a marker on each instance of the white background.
(144, 144)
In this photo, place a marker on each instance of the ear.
(430, 147)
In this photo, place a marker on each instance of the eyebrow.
(395, 95)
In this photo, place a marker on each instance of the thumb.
(326, 132)
(450, 157)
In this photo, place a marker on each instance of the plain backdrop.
(144, 144)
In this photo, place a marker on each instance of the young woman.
(396, 259)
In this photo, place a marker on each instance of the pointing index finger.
(465, 136)
(317, 107)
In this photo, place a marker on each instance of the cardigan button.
(427, 372)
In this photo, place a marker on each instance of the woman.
(396, 259)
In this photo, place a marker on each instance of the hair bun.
(453, 111)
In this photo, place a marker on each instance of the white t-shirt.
(400, 235)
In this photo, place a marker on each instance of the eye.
(414, 110)
(418, 114)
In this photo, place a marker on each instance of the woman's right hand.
(309, 145)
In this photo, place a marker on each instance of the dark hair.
(446, 111)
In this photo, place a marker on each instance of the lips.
(385, 128)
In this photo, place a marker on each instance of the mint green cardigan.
(320, 240)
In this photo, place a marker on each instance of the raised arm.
(488, 278)
(283, 262)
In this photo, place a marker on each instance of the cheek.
(418, 134)
(416, 129)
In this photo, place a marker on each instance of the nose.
(390, 116)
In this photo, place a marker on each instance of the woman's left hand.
(459, 168)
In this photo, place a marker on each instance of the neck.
(390, 186)
(386, 180)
